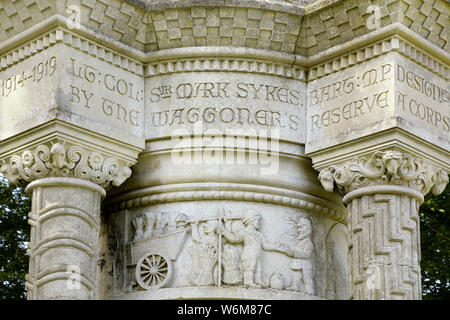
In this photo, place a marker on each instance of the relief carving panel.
(221, 249)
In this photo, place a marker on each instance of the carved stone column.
(383, 191)
(71, 125)
(64, 234)
(68, 183)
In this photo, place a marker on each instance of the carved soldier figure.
(254, 242)
(301, 253)
(203, 253)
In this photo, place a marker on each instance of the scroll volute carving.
(389, 167)
(62, 159)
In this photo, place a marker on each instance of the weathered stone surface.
(386, 92)
(224, 102)
(62, 83)
(65, 223)
(204, 121)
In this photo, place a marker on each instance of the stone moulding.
(225, 64)
(291, 6)
(384, 189)
(392, 44)
(80, 43)
(223, 59)
(387, 167)
(65, 160)
(159, 68)
(207, 292)
(224, 191)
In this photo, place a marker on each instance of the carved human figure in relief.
(203, 253)
(254, 242)
(301, 264)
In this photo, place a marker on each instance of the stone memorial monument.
(238, 149)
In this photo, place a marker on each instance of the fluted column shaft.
(65, 223)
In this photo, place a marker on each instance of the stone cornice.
(75, 41)
(308, 27)
(225, 64)
(290, 6)
(223, 59)
(390, 44)
(389, 167)
(62, 159)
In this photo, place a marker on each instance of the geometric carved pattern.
(321, 27)
(373, 50)
(346, 20)
(339, 23)
(19, 15)
(383, 191)
(224, 26)
(118, 20)
(384, 254)
(429, 19)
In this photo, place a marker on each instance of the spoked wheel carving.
(153, 271)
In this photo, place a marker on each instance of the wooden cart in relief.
(154, 257)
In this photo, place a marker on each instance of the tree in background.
(14, 233)
(435, 245)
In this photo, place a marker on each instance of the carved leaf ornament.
(384, 167)
(59, 161)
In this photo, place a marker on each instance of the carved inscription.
(427, 90)
(225, 112)
(111, 86)
(242, 90)
(39, 72)
(349, 87)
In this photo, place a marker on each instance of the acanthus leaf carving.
(60, 160)
(388, 167)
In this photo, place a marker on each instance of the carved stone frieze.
(235, 242)
(387, 167)
(61, 159)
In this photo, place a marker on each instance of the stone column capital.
(389, 167)
(60, 158)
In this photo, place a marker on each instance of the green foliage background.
(435, 245)
(14, 233)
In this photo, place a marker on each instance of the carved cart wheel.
(153, 271)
